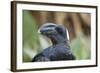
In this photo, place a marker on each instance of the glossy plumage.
(60, 49)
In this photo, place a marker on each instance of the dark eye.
(59, 30)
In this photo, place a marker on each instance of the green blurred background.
(78, 25)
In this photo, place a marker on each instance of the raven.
(60, 49)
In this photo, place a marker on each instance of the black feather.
(60, 50)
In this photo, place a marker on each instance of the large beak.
(44, 27)
(46, 30)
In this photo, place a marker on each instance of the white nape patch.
(67, 35)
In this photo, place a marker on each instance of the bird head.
(57, 33)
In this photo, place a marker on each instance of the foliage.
(30, 36)
(80, 45)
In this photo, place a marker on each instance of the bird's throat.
(58, 41)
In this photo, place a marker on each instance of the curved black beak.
(46, 30)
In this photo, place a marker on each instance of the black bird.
(60, 49)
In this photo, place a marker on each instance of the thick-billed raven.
(60, 49)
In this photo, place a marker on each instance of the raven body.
(60, 49)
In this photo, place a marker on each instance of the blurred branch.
(77, 24)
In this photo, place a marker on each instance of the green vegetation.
(80, 45)
(30, 36)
